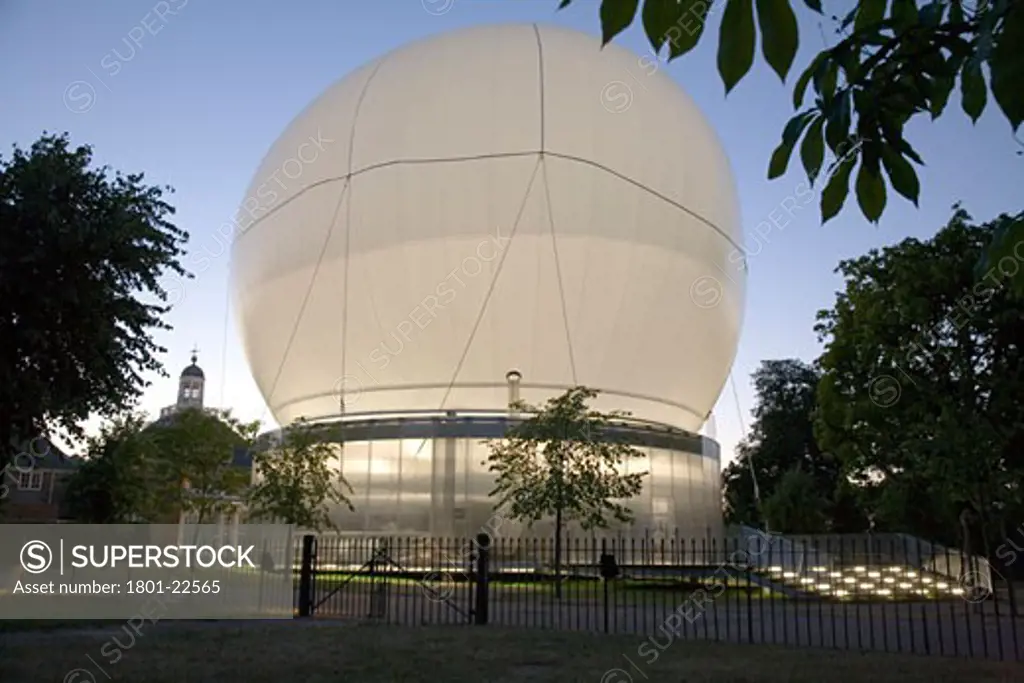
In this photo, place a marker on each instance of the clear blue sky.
(210, 87)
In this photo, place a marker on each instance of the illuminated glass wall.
(439, 487)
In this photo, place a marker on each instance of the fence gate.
(392, 580)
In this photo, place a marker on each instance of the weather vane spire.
(195, 354)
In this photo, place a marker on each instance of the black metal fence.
(742, 590)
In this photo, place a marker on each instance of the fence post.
(483, 557)
(604, 584)
(750, 600)
(378, 581)
(306, 576)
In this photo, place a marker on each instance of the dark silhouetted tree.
(82, 251)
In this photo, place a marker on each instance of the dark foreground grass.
(46, 625)
(317, 652)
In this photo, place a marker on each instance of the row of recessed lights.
(904, 585)
(858, 569)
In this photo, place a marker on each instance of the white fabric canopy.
(502, 197)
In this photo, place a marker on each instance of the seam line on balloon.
(374, 167)
(490, 290)
(484, 157)
(323, 251)
(305, 302)
(494, 281)
(348, 236)
(558, 272)
(638, 184)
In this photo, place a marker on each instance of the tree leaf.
(780, 157)
(838, 127)
(871, 155)
(779, 34)
(904, 148)
(870, 193)
(934, 64)
(838, 186)
(848, 56)
(941, 87)
(795, 126)
(956, 12)
(779, 161)
(931, 14)
(1007, 66)
(805, 78)
(616, 16)
(736, 42)
(658, 17)
(972, 87)
(812, 151)
(814, 5)
(1008, 235)
(986, 17)
(564, 4)
(869, 13)
(901, 174)
(686, 25)
(904, 13)
(825, 78)
(848, 19)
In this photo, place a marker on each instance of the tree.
(912, 503)
(120, 480)
(81, 255)
(136, 472)
(295, 482)
(196, 451)
(797, 505)
(893, 62)
(923, 378)
(549, 465)
(781, 440)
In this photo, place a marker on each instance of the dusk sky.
(196, 101)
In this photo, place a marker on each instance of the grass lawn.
(570, 586)
(20, 625)
(315, 652)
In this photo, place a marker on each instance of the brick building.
(34, 484)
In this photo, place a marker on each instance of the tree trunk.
(965, 529)
(558, 527)
(969, 573)
(985, 551)
(558, 551)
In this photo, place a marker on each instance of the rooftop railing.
(400, 416)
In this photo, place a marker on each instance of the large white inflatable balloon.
(497, 198)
